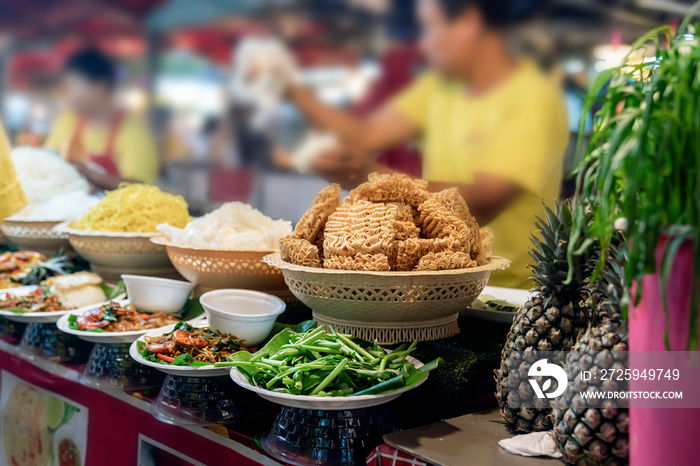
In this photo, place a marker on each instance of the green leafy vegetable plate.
(334, 372)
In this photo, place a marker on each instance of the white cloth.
(534, 444)
(263, 71)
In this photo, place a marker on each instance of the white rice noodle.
(44, 174)
(66, 207)
(235, 226)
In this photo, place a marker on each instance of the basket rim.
(27, 223)
(162, 240)
(275, 260)
(65, 228)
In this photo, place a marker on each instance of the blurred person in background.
(106, 144)
(400, 63)
(489, 123)
(12, 196)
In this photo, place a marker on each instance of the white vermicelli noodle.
(66, 207)
(43, 174)
(235, 226)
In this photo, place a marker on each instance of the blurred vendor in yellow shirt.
(106, 144)
(492, 125)
(12, 197)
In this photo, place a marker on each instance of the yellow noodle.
(135, 208)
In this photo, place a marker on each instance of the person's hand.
(75, 152)
(344, 165)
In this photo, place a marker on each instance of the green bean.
(330, 377)
(258, 365)
(385, 359)
(314, 335)
(287, 381)
(356, 347)
(309, 366)
(391, 384)
(317, 363)
(272, 362)
(329, 344)
(320, 349)
(283, 354)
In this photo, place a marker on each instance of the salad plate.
(67, 324)
(135, 351)
(29, 317)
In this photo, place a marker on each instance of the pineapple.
(550, 321)
(37, 272)
(596, 435)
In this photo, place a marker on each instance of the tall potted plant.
(641, 171)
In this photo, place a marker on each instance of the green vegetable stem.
(320, 363)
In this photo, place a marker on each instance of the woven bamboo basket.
(35, 235)
(214, 269)
(113, 254)
(390, 307)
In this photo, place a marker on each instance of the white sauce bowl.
(245, 314)
(153, 294)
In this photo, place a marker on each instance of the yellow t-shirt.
(135, 153)
(12, 196)
(518, 131)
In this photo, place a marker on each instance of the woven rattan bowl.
(388, 306)
(34, 235)
(113, 254)
(212, 269)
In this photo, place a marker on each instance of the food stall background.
(175, 65)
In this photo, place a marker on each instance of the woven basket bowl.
(212, 269)
(34, 235)
(113, 254)
(386, 297)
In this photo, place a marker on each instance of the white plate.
(512, 296)
(327, 403)
(201, 371)
(29, 317)
(100, 337)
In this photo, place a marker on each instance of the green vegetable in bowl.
(317, 363)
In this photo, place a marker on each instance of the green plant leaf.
(193, 308)
(111, 292)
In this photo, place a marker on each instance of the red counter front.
(120, 428)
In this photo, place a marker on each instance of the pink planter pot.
(663, 436)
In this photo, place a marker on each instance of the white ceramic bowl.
(248, 315)
(154, 294)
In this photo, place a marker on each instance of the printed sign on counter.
(40, 428)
